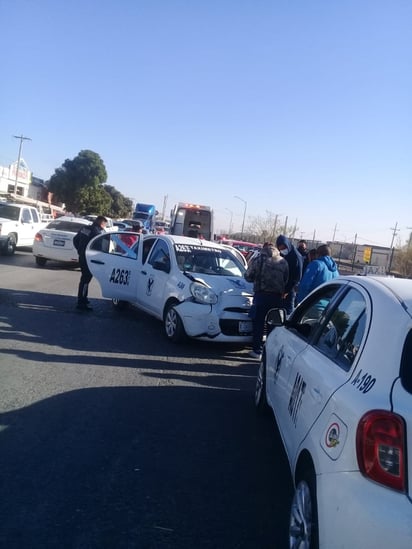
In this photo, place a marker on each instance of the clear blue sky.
(301, 107)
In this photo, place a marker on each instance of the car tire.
(261, 402)
(303, 521)
(119, 304)
(41, 261)
(10, 246)
(174, 326)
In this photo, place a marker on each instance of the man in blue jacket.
(318, 271)
(295, 262)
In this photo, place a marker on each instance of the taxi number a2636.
(120, 276)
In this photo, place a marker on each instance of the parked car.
(194, 286)
(18, 225)
(337, 375)
(55, 241)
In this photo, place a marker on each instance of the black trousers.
(85, 278)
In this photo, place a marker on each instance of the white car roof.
(189, 241)
(400, 288)
(72, 218)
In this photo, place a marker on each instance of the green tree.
(94, 200)
(121, 206)
(79, 183)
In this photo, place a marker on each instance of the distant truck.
(192, 220)
(18, 225)
(146, 214)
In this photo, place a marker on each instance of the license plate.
(245, 327)
(59, 242)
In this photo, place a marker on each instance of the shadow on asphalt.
(132, 467)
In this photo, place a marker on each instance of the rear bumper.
(359, 514)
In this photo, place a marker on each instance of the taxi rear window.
(68, 226)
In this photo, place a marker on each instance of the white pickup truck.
(18, 225)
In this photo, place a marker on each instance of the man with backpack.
(80, 241)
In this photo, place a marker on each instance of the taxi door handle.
(97, 261)
(144, 272)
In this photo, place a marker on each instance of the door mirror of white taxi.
(276, 317)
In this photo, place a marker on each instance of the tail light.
(381, 448)
(38, 237)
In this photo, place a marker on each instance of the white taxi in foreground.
(338, 377)
(195, 287)
(55, 241)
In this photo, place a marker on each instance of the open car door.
(113, 260)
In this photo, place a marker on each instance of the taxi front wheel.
(173, 325)
(261, 402)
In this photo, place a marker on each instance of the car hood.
(223, 284)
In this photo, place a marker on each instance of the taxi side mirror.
(276, 317)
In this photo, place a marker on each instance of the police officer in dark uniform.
(80, 242)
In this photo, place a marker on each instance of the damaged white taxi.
(194, 286)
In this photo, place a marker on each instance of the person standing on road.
(80, 241)
(295, 262)
(319, 270)
(302, 248)
(269, 274)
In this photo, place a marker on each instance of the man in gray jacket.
(269, 273)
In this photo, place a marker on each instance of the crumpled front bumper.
(207, 322)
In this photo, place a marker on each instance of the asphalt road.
(113, 437)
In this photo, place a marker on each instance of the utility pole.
(394, 233)
(22, 138)
(355, 247)
(334, 232)
(164, 207)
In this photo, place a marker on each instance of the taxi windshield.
(204, 260)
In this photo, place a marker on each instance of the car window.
(104, 244)
(204, 260)
(309, 316)
(160, 254)
(342, 334)
(9, 212)
(35, 215)
(68, 226)
(147, 246)
(124, 243)
(26, 216)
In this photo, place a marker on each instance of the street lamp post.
(22, 138)
(244, 215)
